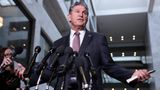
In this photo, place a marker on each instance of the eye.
(85, 12)
(8, 54)
(77, 11)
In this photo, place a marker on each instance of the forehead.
(8, 51)
(79, 7)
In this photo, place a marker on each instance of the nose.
(80, 14)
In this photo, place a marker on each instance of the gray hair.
(76, 4)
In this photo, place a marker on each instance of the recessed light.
(123, 54)
(122, 38)
(134, 37)
(135, 54)
(113, 89)
(14, 29)
(24, 44)
(110, 38)
(24, 28)
(111, 54)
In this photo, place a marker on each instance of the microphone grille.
(37, 49)
(60, 49)
(68, 50)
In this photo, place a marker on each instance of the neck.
(77, 28)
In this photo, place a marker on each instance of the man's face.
(78, 16)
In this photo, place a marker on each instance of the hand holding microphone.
(9, 55)
(5, 63)
(140, 75)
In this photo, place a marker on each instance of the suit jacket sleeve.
(109, 66)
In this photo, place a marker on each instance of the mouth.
(80, 20)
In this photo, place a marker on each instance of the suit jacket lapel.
(85, 42)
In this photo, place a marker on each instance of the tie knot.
(76, 33)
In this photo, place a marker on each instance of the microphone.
(17, 50)
(43, 63)
(92, 69)
(136, 77)
(27, 73)
(64, 66)
(59, 51)
(80, 64)
(67, 52)
(36, 52)
(73, 80)
(44, 60)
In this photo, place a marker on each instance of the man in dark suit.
(96, 46)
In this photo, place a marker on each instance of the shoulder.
(61, 41)
(96, 34)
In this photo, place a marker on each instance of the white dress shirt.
(82, 33)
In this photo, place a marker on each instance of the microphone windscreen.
(68, 50)
(79, 61)
(17, 50)
(60, 49)
(37, 49)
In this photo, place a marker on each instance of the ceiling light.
(14, 29)
(24, 28)
(113, 89)
(110, 38)
(125, 88)
(24, 45)
(138, 89)
(135, 54)
(123, 54)
(122, 38)
(111, 54)
(1, 21)
(134, 37)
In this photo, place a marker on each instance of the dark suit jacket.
(96, 45)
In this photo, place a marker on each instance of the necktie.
(76, 42)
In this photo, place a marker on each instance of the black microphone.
(43, 63)
(44, 60)
(36, 52)
(80, 63)
(17, 50)
(59, 51)
(27, 73)
(92, 69)
(67, 53)
(64, 66)
(71, 60)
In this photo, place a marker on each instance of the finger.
(8, 59)
(16, 72)
(144, 75)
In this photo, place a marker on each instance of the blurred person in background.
(8, 79)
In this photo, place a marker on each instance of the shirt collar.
(80, 31)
